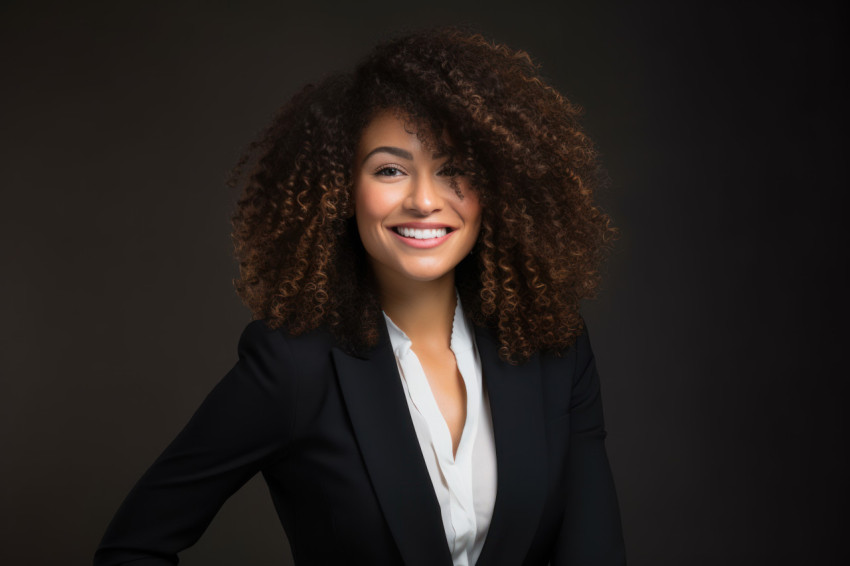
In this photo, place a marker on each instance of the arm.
(591, 534)
(243, 423)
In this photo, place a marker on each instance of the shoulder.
(570, 373)
(280, 353)
(259, 333)
(295, 373)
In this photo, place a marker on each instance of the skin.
(398, 181)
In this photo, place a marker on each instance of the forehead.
(393, 128)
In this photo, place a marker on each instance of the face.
(416, 214)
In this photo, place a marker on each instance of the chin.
(424, 277)
(424, 274)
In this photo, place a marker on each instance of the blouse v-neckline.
(466, 505)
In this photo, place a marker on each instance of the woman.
(414, 240)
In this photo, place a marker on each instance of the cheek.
(371, 208)
(471, 211)
(370, 203)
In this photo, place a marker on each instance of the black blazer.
(332, 435)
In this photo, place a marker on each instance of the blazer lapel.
(374, 397)
(520, 435)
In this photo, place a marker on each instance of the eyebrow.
(398, 152)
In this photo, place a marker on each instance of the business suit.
(332, 434)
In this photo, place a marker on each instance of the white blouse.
(465, 484)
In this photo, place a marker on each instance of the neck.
(424, 310)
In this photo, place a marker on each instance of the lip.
(422, 244)
(422, 225)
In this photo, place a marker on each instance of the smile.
(419, 234)
(422, 238)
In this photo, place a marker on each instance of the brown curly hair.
(542, 237)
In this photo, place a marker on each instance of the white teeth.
(421, 234)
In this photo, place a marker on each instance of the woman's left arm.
(591, 533)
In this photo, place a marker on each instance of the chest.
(355, 470)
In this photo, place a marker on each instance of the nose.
(424, 197)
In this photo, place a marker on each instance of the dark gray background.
(718, 331)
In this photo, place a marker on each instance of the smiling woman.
(418, 387)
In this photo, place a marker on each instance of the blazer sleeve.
(244, 423)
(591, 533)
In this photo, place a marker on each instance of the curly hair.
(542, 237)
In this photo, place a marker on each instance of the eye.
(389, 171)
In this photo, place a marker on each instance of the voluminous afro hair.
(302, 265)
